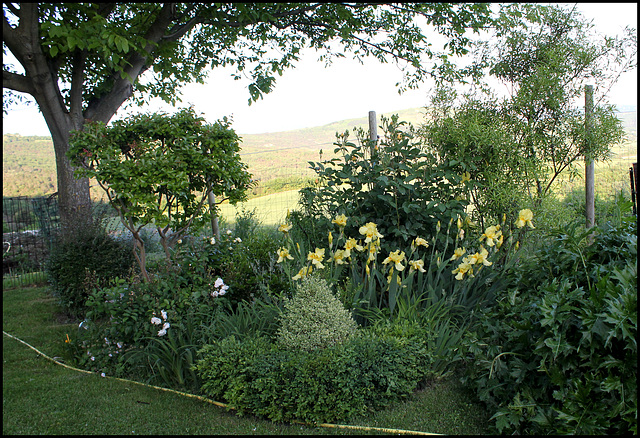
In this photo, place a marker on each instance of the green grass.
(270, 209)
(41, 397)
(23, 279)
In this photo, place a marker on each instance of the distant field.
(270, 209)
(279, 161)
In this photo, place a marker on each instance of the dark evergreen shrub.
(88, 259)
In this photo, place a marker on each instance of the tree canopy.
(83, 61)
(95, 49)
(516, 145)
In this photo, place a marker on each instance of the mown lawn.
(41, 397)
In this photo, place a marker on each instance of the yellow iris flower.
(457, 253)
(283, 253)
(340, 221)
(492, 234)
(419, 241)
(353, 244)
(395, 257)
(462, 269)
(302, 273)
(480, 258)
(524, 218)
(339, 256)
(416, 265)
(373, 251)
(316, 257)
(371, 231)
(285, 228)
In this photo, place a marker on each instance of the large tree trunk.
(74, 199)
(41, 82)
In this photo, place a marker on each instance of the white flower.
(166, 326)
(213, 241)
(164, 314)
(93, 358)
(103, 375)
(162, 332)
(238, 240)
(229, 232)
(214, 294)
(179, 241)
(119, 345)
(156, 321)
(219, 282)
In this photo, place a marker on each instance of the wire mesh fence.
(27, 228)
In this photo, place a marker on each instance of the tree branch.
(104, 9)
(178, 32)
(103, 109)
(77, 82)
(12, 8)
(10, 37)
(17, 82)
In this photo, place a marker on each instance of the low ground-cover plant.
(558, 352)
(331, 384)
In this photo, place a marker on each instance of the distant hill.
(28, 163)
(320, 136)
(287, 153)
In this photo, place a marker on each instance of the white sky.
(312, 95)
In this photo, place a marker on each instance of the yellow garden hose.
(222, 405)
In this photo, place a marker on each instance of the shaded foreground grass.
(41, 397)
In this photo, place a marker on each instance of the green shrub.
(90, 259)
(398, 185)
(558, 352)
(314, 318)
(324, 385)
(245, 260)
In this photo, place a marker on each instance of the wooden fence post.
(215, 229)
(373, 130)
(633, 176)
(589, 172)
